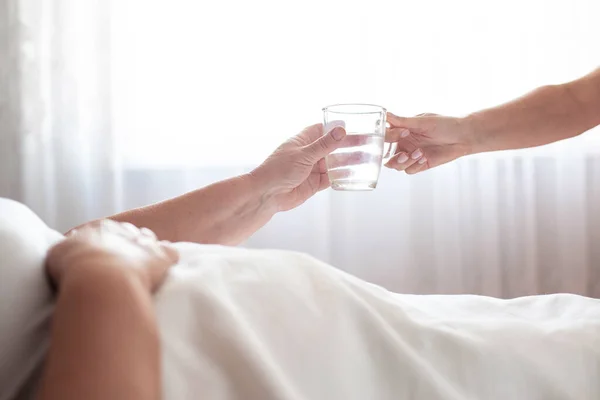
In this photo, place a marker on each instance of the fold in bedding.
(259, 324)
(255, 324)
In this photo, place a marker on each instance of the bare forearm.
(104, 342)
(546, 115)
(226, 212)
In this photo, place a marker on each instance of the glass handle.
(389, 149)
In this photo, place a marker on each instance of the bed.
(237, 323)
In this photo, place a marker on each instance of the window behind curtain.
(221, 83)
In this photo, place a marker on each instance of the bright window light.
(210, 83)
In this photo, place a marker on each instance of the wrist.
(474, 139)
(263, 188)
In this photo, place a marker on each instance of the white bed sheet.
(250, 324)
(255, 324)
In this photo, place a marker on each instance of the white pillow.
(25, 296)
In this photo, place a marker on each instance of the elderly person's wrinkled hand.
(105, 246)
(297, 169)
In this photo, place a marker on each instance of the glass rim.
(374, 108)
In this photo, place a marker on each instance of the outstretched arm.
(226, 212)
(230, 211)
(546, 115)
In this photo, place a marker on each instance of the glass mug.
(357, 164)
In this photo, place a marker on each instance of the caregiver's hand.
(297, 170)
(109, 247)
(426, 141)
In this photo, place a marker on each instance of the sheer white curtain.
(199, 91)
(56, 122)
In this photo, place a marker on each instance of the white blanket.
(249, 324)
(277, 325)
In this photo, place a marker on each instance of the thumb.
(412, 123)
(400, 127)
(325, 144)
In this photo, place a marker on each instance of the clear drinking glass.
(356, 165)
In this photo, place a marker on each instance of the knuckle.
(317, 148)
(107, 224)
(93, 225)
(130, 228)
(147, 232)
(324, 143)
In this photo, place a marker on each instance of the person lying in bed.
(105, 272)
(234, 323)
(104, 342)
(118, 266)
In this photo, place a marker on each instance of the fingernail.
(402, 158)
(422, 160)
(338, 133)
(332, 124)
(405, 133)
(416, 154)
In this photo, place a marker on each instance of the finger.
(129, 230)
(170, 252)
(411, 123)
(407, 144)
(324, 181)
(314, 132)
(438, 155)
(397, 160)
(107, 223)
(73, 232)
(325, 144)
(100, 229)
(421, 165)
(403, 161)
(355, 141)
(333, 124)
(148, 232)
(351, 158)
(311, 133)
(147, 243)
(339, 174)
(402, 166)
(320, 167)
(395, 134)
